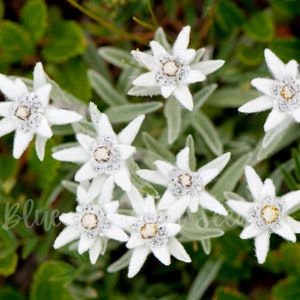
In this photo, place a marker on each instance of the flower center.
(287, 92)
(22, 112)
(269, 213)
(170, 68)
(89, 221)
(102, 154)
(185, 180)
(149, 230)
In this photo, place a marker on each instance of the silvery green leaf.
(208, 132)
(204, 278)
(206, 246)
(71, 186)
(121, 263)
(192, 158)
(197, 234)
(172, 112)
(125, 79)
(105, 90)
(84, 127)
(157, 147)
(198, 56)
(160, 37)
(202, 95)
(115, 56)
(127, 112)
(64, 146)
(233, 196)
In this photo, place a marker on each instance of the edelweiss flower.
(92, 223)
(152, 231)
(171, 73)
(281, 94)
(104, 156)
(183, 184)
(29, 113)
(267, 214)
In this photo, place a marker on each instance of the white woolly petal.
(72, 154)
(20, 88)
(21, 142)
(134, 242)
(262, 243)
(268, 189)
(264, 85)
(68, 218)
(209, 202)
(218, 163)
(208, 66)
(144, 59)
(162, 254)
(194, 204)
(177, 250)
(116, 233)
(177, 209)
(86, 172)
(111, 207)
(240, 207)
(44, 128)
(207, 175)
(128, 134)
(256, 105)
(164, 167)
(59, 116)
(104, 127)
(136, 200)
(149, 205)
(172, 229)
(182, 159)
(67, 235)
(126, 151)
(166, 91)
(122, 221)
(193, 76)
(255, 184)
(85, 141)
(166, 200)
(122, 179)
(40, 144)
(184, 96)
(138, 258)
(43, 93)
(250, 231)
(291, 69)
(285, 231)
(7, 125)
(82, 195)
(7, 87)
(188, 55)
(39, 76)
(96, 186)
(291, 200)
(85, 243)
(295, 225)
(182, 41)
(275, 65)
(275, 118)
(158, 50)
(5, 108)
(296, 115)
(145, 79)
(153, 176)
(106, 192)
(95, 250)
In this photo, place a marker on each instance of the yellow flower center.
(102, 154)
(185, 180)
(270, 213)
(89, 221)
(287, 92)
(22, 112)
(170, 68)
(149, 230)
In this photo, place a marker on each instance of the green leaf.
(260, 27)
(8, 264)
(287, 288)
(64, 40)
(121, 263)
(10, 293)
(50, 281)
(207, 131)
(105, 90)
(115, 56)
(15, 43)
(172, 112)
(250, 55)
(2, 8)
(125, 79)
(229, 15)
(192, 158)
(192, 233)
(204, 278)
(127, 112)
(202, 95)
(157, 147)
(160, 37)
(228, 293)
(286, 48)
(34, 18)
(72, 77)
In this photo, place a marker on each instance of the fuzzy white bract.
(266, 214)
(171, 73)
(92, 223)
(281, 94)
(29, 113)
(185, 185)
(152, 230)
(105, 155)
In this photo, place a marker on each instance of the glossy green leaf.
(34, 18)
(64, 40)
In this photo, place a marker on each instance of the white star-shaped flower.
(281, 94)
(171, 73)
(29, 113)
(266, 214)
(183, 184)
(105, 155)
(152, 230)
(92, 223)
